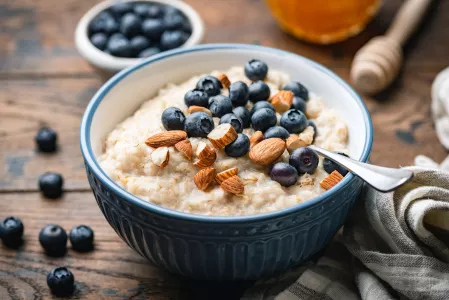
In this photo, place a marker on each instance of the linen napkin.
(385, 251)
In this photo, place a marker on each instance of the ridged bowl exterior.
(232, 252)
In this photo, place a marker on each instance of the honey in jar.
(323, 21)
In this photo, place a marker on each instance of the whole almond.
(282, 101)
(160, 156)
(222, 176)
(166, 138)
(233, 185)
(222, 135)
(256, 138)
(267, 151)
(224, 80)
(193, 109)
(331, 180)
(185, 147)
(204, 178)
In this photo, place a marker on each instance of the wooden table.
(45, 82)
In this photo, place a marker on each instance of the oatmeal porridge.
(238, 167)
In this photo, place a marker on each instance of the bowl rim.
(103, 60)
(91, 161)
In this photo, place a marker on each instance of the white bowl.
(112, 64)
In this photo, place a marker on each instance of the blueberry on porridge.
(228, 143)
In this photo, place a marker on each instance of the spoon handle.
(381, 178)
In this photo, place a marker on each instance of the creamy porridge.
(128, 160)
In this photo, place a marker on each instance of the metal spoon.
(380, 178)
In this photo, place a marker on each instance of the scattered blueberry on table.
(61, 281)
(53, 238)
(82, 238)
(46, 140)
(11, 232)
(51, 185)
(145, 28)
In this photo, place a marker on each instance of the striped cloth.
(386, 249)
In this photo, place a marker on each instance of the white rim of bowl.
(108, 62)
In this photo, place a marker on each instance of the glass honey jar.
(323, 21)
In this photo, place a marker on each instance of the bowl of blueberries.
(114, 35)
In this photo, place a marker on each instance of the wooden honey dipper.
(377, 63)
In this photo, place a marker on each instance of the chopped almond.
(222, 176)
(193, 109)
(160, 156)
(233, 185)
(282, 101)
(256, 138)
(331, 180)
(204, 178)
(185, 147)
(224, 80)
(222, 135)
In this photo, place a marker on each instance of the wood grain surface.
(44, 82)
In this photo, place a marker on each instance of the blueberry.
(259, 91)
(187, 26)
(239, 147)
(305, 160)
(232, 119)
(11, 232)
(130, 25)
(153, 28)
(173, 21)
(294, 121)
(173, 39)
(277, 132)
(46, 140)
(330, 166)
(196, 97)
(99, 40)
(121, 8)
(299, 104)
(149, 52)
(141, 9)
(239, 93)
(263, 119)
(138, 44)
(298, 90)
(173, 119)
(82, 238)
(284, 173)
(315, 130)
(220, 105)
(61, 281)
(155, 11)
(243, 113)
(210, 84)
(98, 24)
(198, 124)
(118, 45)
(256, 70)
(53, 239)
(111, 26)
(50, 185)
(260, 105)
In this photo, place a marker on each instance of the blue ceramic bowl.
(219, 248)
